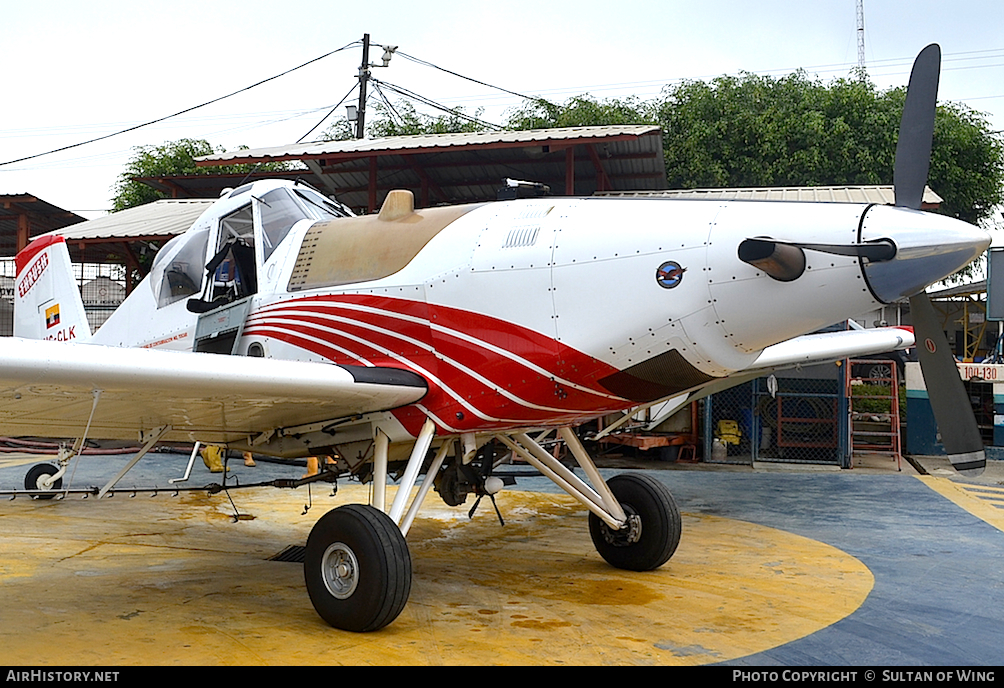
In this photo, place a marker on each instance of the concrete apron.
(176, 580)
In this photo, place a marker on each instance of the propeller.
(949, 399)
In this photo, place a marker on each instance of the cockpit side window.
(178, 268)
(237, 225)
(279, 212)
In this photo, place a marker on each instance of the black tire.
(357, 568)
(647, 500)
(881, 371)
(32, 481)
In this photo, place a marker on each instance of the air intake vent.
(522, 236)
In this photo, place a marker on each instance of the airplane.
(281, 324)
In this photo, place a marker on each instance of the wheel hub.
(340, 570)
(629, 534)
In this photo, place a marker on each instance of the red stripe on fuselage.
(440, 342)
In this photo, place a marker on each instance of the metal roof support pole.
(570, 171)
(602, 180)
(23, 231)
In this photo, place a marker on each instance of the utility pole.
(364, 77)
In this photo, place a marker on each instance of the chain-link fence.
(797, 416)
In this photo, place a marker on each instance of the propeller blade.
(916, 129)
(874, 251)
(950, 402)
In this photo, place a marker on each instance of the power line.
(431, 103)
(181, 112)
(461, 76)
(328, 114)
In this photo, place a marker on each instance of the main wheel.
(357, 568)
(37, 474)
(653, 530)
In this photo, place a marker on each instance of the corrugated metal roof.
(471, 167)
(816, 194)
(41, 217)
(164, 218)
(366, 147)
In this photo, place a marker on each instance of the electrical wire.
(181, 112)
(328, 114)
(391, 110)
(431, 103)
(426, 63)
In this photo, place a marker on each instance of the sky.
(77, 71)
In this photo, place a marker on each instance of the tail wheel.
(36, 476)
(653, 530)
(357, 568)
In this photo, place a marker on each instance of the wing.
(832, 346)
(47, 389)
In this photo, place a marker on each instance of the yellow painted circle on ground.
(174, 580)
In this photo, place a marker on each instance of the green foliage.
(581, 111)
(790, 131)
(794, 131)
(967, 164)
(170, 159)
(876, 398)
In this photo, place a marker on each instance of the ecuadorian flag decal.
(52, 316)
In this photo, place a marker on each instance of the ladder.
(873, 410)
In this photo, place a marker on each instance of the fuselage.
(528, 313)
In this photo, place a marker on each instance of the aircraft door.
(233, 267)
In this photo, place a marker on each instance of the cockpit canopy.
(255, 227)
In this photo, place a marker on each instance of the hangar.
(447, 169)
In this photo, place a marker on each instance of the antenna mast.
(861, 35)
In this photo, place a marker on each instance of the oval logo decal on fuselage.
(669, 274)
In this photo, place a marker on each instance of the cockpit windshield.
(280, 211)
(178, 268)
(324, 207)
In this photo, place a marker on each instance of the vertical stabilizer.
(47, 303)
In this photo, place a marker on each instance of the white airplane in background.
(280, 324)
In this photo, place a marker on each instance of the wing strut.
(151, 439)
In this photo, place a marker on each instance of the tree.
(171, 158)
(580, 111)
(794, 131)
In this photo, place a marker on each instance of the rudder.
(47, 302)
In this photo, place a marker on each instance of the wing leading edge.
(832, 346)
(47, 389)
